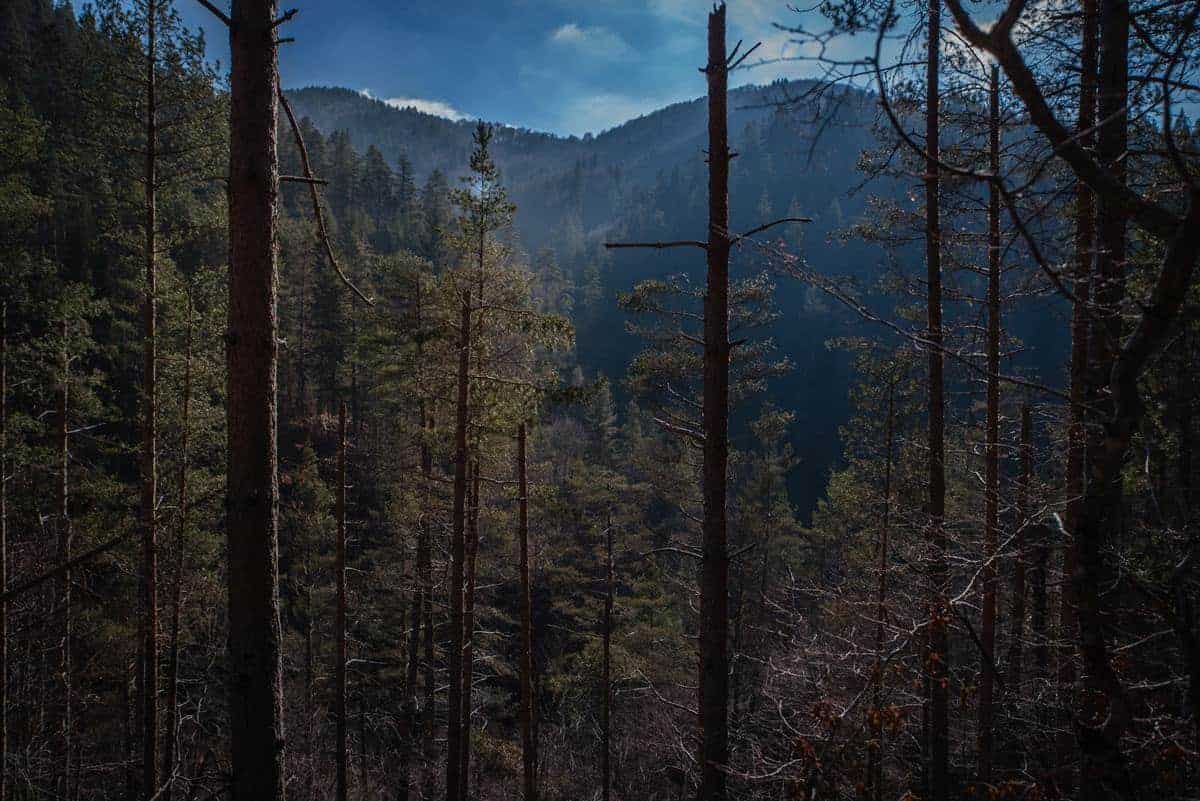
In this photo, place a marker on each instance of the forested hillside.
(824, 439)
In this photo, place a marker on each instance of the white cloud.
(601, 111)
(438, 108)
(592, 40)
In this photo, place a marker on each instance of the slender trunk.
(528, 744)
(937, 652)
(606, 667)
(458, 552)
(991, 523)
(1085, 246)
(714, 570)
(469, 628)
(1106, 713)
(339, 668)
(408, 717)
(1026, 539)
(129, 725)
(1036, 539)
(875, 760)
(3, 550)
(252, 352)
(150, 428)
(64, 552)
(169, 757)
(425, 567)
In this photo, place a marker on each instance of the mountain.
(645, 181)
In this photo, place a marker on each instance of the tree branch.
(322, 232)
(766, 226)
(218, 13)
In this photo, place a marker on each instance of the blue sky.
(565, 66)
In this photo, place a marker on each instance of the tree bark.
(606, 668)
(170, 756)
(937, 651)
(991, 523)
(1036, 539)
(714, 570)
(875, 759)
(472, 550)
(65, 535)
(1106, 713)
(339, 668)
(1085, 245)
(408, 717)
(4, 550)
(252, 352)
(425, 567)
(149, 425)
(458, 550)
(528, 744)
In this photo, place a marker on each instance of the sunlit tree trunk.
(254, 665)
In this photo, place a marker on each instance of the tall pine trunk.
(425, 567)
(937, 655)
(1105, 713)
(65, 553)
(874, 783)
(252, 348)
(3, 550)
(339, 668)
(149, 426)
(714, 569)
(991, 521)
(606, 669)
(469, 628)
(458, 549)
(1085, 246)
(172, 743)
(528, 743)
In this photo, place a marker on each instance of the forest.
(828, 437)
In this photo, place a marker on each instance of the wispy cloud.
(592, 40)
(603, 110)
(438, 108)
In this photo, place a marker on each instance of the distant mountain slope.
(645, 181)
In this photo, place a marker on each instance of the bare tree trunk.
(1026, 538)
(170, 756)
(472, 550)
(606, 668)
(458, 549)
(425, 568)
(339, 669)
(64, 552)
(149, 426)
(1085, 245)
(714, 570)
(875, 759)
(991, 523)
(408, 736)
(252, 483)
(1106, 713)
(1036, 539)
(4, 550)
(528, 744)
(937, 652)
